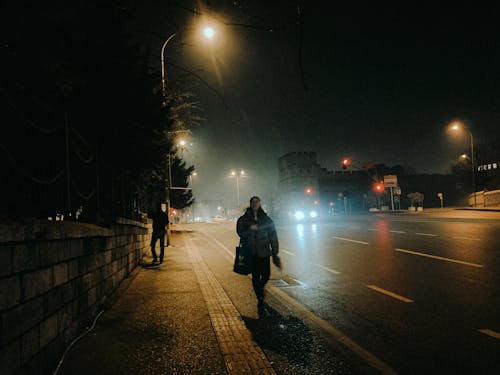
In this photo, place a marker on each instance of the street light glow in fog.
(208, 32)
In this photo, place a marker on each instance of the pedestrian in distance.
(257, 231)
(160, 224)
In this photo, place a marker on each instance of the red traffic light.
(345, 163)
(379, 187)
(309, 190)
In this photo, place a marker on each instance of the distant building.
(304, 184)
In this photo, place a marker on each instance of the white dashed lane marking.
(327, 269)
(397, 231)
(439, 258)
(389, 293)
(426, 234)
(288, 252)
(349, 240)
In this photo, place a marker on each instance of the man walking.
(160, 223)
(257, 231)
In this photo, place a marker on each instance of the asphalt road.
(419, 294)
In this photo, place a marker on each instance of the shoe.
(154, 261)
(261, 310)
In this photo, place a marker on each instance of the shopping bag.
(243, 260)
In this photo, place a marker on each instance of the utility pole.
(68, 177)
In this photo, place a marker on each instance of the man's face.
(255, 204)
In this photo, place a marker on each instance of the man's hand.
(253, 227)
(277, 261)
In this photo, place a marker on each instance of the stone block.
(5, 260)
(87, 264)
(25, 257)
(37, 282)
(53, 300)
(64, 251)
(91, 245)
(22, 318)
(73, 269)
(10, 292)
(64, 319)
(10, 358)
(87, 281)
(48, 330)
(30, 344)
(67, 292)
(48, 252)
(92, 296)
(110, 243)
(76, 247)
(108, 255)
(60, 273)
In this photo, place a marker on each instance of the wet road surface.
(421, 295)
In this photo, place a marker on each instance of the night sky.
(379, 84)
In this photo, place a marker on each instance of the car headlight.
(313, 214)
(299, 215)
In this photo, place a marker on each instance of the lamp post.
(457, 127)
(237, 176)
(191, 184)
(208, 33)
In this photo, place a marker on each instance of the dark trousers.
(261, 270)
(161, 237)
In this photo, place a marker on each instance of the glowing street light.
(238, 175)
(208, 32)
(456, 127)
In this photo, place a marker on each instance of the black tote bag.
(243, 260)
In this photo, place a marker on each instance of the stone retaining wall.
(54, 279)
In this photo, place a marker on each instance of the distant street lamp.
(456, 127)
(191, 184)
(237, 176)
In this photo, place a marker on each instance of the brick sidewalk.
(175, 320)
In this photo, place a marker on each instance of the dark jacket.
(264, 240)
(160, 221)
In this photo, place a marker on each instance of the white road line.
(347, 239)
(491, 333)
(439, 258)
(397, 231)
(327, 269)
(372, 229)
(426, 234)
(467, 238)
(389, 293)
(288, 252)
(220, 244)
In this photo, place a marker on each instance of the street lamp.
(208, 32)
(191, 184)
(456, 127)
(237, 176)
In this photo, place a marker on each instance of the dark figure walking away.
(257, 231)
(160, 223)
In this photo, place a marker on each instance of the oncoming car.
(303, 215)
